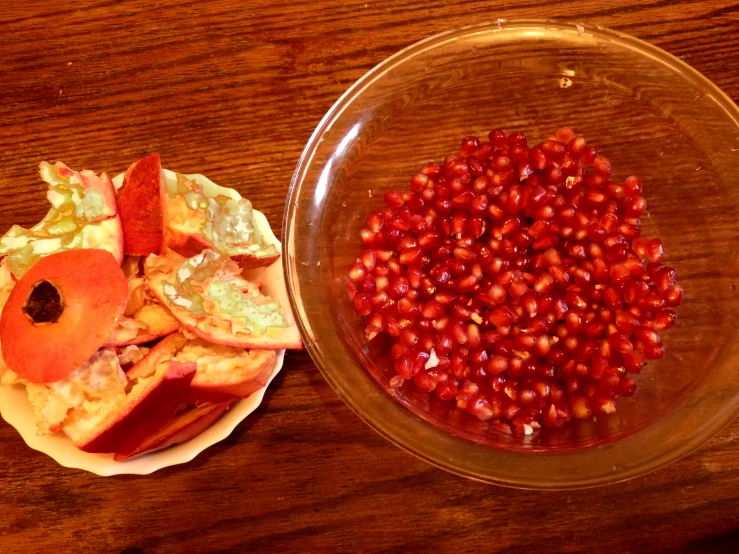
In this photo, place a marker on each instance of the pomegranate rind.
(94, 291)
(84, 214)
(141, 205)
(151, 322)
(181, 428)
(246, 375)
(142, 414)
(203, 215)
(210, 323)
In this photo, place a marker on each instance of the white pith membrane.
(83, 214)
(209, 287)
(84, 402)
(218, 364)
(217, 215)
(143, 319)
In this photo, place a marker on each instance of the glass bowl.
(650, 113)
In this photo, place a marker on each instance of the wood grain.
(234, 90)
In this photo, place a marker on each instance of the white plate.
(16, 410)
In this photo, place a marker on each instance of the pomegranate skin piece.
(514, 281)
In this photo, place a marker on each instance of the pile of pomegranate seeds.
(514, 281)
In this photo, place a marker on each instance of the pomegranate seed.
(654, 351)
(408, 308)
(652, 302)
(544, 284)
(357, 273)
(425, 381)
(399, 287)
(632, 186)
(664, 320)
(363, 303)
(626, 321)
(620, 342)
(502, 317)
(633, 362)
(673, 296)
(646, 335)
(602, 166)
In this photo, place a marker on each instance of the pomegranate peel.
(222, 372)
(141, 205)
(61, 312)
(150, 322)
(209, 297)
(204, 215)
(83, 215)
(151, 403)
(181, 428)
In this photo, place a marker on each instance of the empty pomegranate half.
(61, 312)
(514, 282)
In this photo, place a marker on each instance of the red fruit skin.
(141, 207)
(91, 284)
(181, 428)
(143, 416)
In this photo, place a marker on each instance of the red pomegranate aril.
(635, 207)
(609, 383)
(626, 386)
(357, 273)
(651, 302)
(673, 296)
(544, 284)
(575, 300)
(619, 273)
(632, 186)
(368, 258)
(653, 351)
(374, 221)
(425, 381)
(375, 326)
(394, 199)
(633, 290)
(405, 365)
(398, 287)
(602, 166)
(409, 337)
(633, 362)
(646, 335)
(655, 251)
(469, 146)
(408, 308)
(411, 256)
(664, 320)
(363, 303)
(620, 342)
(502, 317)
(587, 157)
(626, 321)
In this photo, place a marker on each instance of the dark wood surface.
(233, 90)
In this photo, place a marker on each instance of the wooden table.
(234, 90)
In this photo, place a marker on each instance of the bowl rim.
(354, 91)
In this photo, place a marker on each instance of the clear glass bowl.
(650, 113)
